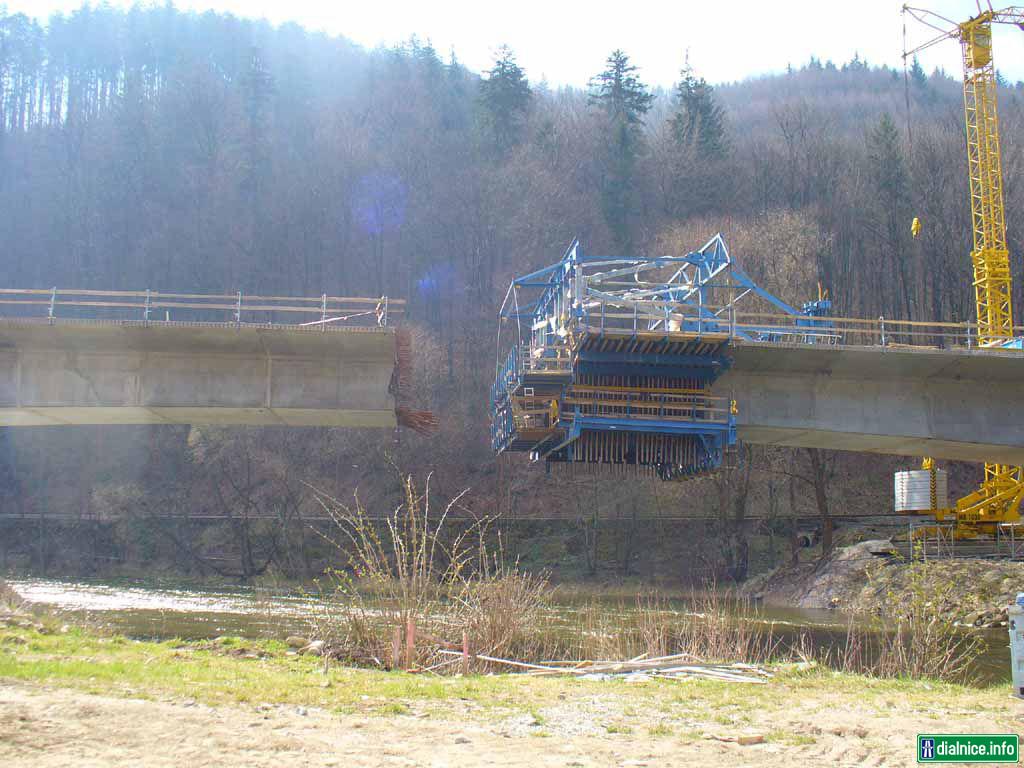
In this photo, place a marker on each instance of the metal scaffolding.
(611, 360)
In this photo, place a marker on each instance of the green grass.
(210, 674)
(791, 739)
(220, 673)
(618, 728)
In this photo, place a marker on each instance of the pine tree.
(258, 87)
(619, 92)
(917, 75)
(699, 121)
(505, 98)
(624, 100)
(891, 180)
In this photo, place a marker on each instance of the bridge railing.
(600, 317)
(608, 318)
(156, 306)
(871, 332)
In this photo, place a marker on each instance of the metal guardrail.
(156, 306)
(607, 317)
(604, 318)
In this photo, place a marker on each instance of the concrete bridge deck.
(960, 404)
(134, 372)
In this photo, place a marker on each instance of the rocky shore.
(973, 593)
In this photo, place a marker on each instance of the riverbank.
(71, 696)
(970, 593)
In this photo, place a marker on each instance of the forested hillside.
(159, 149)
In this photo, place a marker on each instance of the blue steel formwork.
(611, 359)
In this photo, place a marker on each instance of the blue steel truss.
(597, 318)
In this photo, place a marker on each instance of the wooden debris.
(677, 666)
(495, 660)
(745, 740)
(423, 422)
(396, 649)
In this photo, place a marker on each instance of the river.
(165, 609)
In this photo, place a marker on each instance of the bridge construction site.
(613, 362)
(651, 366)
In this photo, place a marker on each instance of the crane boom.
(999, 497)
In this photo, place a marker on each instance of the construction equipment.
(613, 358)
(997, 501)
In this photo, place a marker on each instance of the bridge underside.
(951, 404)
(95, 372)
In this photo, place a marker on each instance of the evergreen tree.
(624, 100)
(698, 121)
(891, 180)
(505, 98)
(258, 87)
(619, 92)
(917, 75)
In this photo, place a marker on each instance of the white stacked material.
(913, 490)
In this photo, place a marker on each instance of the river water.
(163, 610)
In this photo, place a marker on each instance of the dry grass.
(8, 597)
(916, 642)
(419, 585)
(917, 648)
(709, 630)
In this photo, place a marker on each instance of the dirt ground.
(46, 727)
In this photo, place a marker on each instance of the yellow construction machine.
(997, 501)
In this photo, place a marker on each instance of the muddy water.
(156, 610)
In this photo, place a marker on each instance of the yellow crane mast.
(999, 497)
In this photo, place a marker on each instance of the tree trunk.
(818, 475)
(794, 544)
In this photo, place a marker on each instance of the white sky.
(566, 41)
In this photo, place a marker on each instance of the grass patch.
(790, 738)
(618, 728)
(392, 708)
(254, 672)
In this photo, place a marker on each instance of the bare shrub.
(8, 597)
(503, 612)
(419, 583)
(915, 640)
(421, 586)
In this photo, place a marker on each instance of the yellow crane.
(999, 497)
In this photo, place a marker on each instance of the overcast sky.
(566, 41)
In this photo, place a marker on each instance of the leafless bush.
(8, 597)
(916, 642)
(419, 584)
(421, 589)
